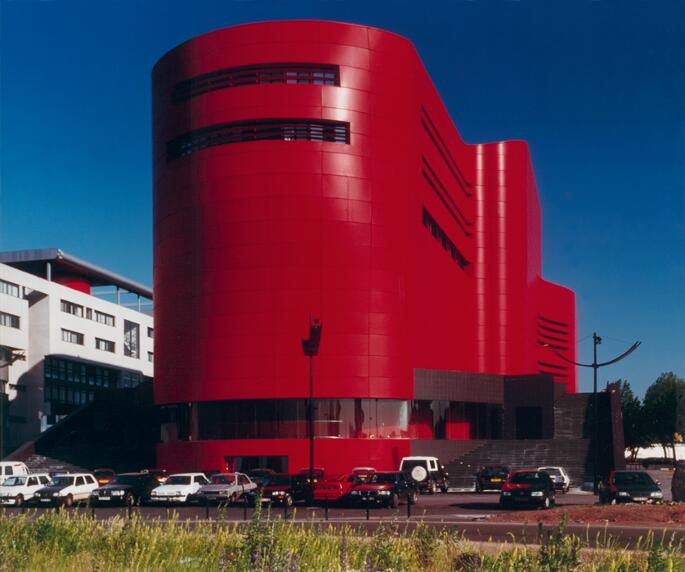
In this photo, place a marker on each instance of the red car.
(104, 476)
(363, 473)
(160, 474)
(335, 490)
(318, 475)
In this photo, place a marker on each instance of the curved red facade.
(307, 169)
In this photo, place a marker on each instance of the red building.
(310, 169)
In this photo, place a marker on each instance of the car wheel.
(444, 488)
(69, 501)
(19, 500)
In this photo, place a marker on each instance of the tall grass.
(62, 541)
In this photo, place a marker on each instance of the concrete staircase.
(116, 431)
(572, 454)
(43, 464)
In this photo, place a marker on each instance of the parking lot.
(445, 508)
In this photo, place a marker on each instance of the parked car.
(258, 475)
(528, 487)
(386, 489)
(12, 469)
(427, 472)
(335, 490)
(20, 489)
(67, 489)
(160, 474)
(127, 489)
(179, 488)
(318, 473)
(629, 486)
(678, 482)
(363, 473)
(491, 478)
(280, 488)
(562, 482)
(104, 476)
(226, 488)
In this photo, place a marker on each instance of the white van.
(12, 469)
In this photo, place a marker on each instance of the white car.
(181, 487)
(12, 469)
(67, 489)
(562, 482)
(226, 487)
(19, 490)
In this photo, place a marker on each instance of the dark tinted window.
(536, 478)
(127, 479)
(633, 479)
(320, 74)
(383, 478)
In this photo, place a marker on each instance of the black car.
(629, 486)
(280, 488)
(258, 475)
(491, 478)
(386, 489)
(126, 489)
(528, 488)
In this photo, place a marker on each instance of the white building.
(68, 330)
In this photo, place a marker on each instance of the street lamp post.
(310, 347)
(596, 340)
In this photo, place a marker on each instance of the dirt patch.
(601, 514)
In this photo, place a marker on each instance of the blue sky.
(597, 88)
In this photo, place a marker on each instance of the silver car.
(226, 488)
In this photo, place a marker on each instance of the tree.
(662, 405)
(635, 431)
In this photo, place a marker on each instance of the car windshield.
(14, 482)
(552, 471)
(277, 480)
(62, 481)
(527, 478)
(495, 472)
(178, 480)
(382, 478)
(633, 479)
(223, 479)
(126, 479)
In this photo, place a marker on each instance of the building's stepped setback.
(572, 454)
(116, 431)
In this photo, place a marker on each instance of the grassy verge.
(74, 542)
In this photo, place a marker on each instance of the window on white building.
(104, 345)
(9, 320)
(150, 357)
(72, 337)
(9, 288)
(71, 308)
(131, 339)
(103, 318)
